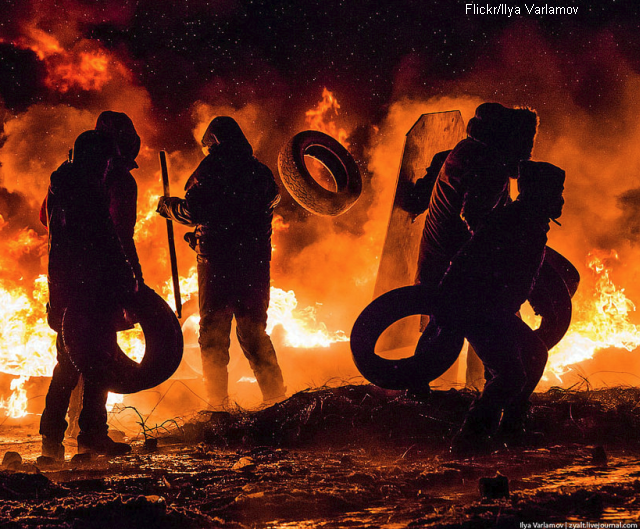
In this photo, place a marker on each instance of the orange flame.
(279, 224)
(301, 326)
(16, 404)
(88, 71)
(601, 322)
(40, 42)
(76, 69)
(319, 118)
(27, 344)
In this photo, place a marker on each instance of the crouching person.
(89, 275)
(484, 287)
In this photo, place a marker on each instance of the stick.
(172, 244)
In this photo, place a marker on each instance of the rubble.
(352, 456)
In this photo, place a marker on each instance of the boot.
(470, 444)
(271, 384)
(101, 444)
(512, 432)
(475, 435)
(53, 449)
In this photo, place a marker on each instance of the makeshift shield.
(431, 134)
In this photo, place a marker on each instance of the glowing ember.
(319, 118)
(599, 323)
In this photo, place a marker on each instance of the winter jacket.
(230, 201)
(495, 270)
(472, 182)
(87, 265)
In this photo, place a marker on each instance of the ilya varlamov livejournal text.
(521, 9)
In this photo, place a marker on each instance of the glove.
(163, 207)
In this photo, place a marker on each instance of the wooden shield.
(431, 134)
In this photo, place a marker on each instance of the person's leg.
(251, 319)
(216, 315)
(496, 341)
(53, 424)
(534, 355)
(93, 436)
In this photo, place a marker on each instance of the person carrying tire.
(463, 185)
(89, 273)
(230, 200)
(484, 287)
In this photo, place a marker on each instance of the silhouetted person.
(120, 183)
(462, 186)
(89, 273)
(230, 199)
(473, 180)
(485, 285)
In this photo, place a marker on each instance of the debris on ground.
(354, 456)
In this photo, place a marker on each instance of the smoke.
(173, 67)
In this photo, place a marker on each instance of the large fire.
(81, 68)
(336, 265)
(28, 344)
(322, 118)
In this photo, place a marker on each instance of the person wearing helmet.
(89, 271)
(230, 200)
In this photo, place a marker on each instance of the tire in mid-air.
(304, 188)
(82, 331)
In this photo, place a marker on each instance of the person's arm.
(416, 196)
(123, 199)
(176, 209)
(189, 210)
(94, 218)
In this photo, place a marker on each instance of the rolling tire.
(163, 346)
(303, 187)
(436, 351)
(551, 299)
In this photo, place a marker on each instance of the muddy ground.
(353, 456)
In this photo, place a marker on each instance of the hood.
(511, 131)
(120, 127)
(92, 151)
(225, 135)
